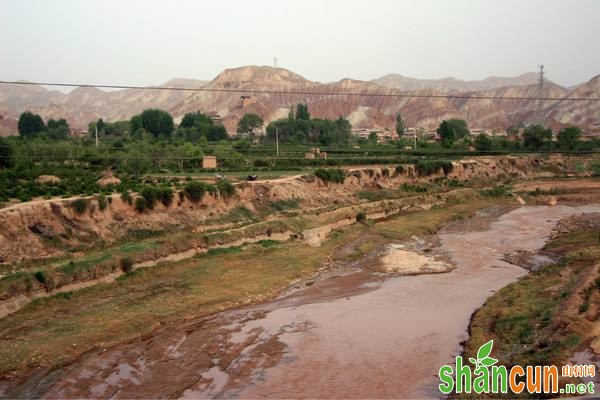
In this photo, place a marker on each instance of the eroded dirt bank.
(356, 334)
(51, 228)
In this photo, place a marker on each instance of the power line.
(302, 92)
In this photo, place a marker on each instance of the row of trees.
(302, 129)
(32, 125)
(298, 128)
(150, 124)
(536, 138)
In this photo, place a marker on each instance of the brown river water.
(352, 334)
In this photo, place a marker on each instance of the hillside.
(84, 105)
(447, 85)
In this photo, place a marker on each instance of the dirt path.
(357, 334)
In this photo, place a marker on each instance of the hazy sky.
(149, 42)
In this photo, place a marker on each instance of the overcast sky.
(149, 42)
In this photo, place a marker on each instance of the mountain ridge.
(85, 104)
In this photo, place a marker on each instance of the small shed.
(209, 162)
(323, 155)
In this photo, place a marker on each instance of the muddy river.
(352, 334)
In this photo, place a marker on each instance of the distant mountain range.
(449, 85)
(85, 104)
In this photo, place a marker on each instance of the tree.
(568, 138)
(6, 154)
(400, 125)
(100, 126)
(58, 129)
(483, 143)
(249, 123)
(536, 137)
(156, 122)
(193, 119)
(452, 130)
(217, 133)
(302, 112)
(31, 125)
(373, 138)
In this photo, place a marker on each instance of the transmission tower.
(541, 96)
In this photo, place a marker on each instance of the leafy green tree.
(536, 137)
(156, 122)
(400, 125)
(217, 133)
(58, 129)
(31, 125)
(483, 143)
(195, 126)
(100, 126)
(343, 126)
(302, 112)
(136, 124)
(373, 139)
(568, 138)
(193, 119)
(452, 130)
(6, 154)
(249, 123)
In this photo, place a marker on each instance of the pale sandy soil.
(404, 262)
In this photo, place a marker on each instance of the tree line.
(299, 128)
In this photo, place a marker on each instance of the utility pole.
(275, 62)
(541, 96)
(277, 140)
(96, 128)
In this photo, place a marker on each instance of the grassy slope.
(57, 329)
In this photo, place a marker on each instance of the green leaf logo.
(485, 350)
(483, 358)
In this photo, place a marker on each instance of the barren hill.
(84, 105)
(447, 85)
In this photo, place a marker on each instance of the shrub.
(413, 188)
(126, 197)
(498, 191)
(166, 196)
(335, 175)
(430, 167)
(195, 190)
(399, 169)
(140, 204)
(79, 205)
(102, 203)
(225, 188)
(595, 168)
(361, 217)
(151, 194)
(40, 276)
(126, 265)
